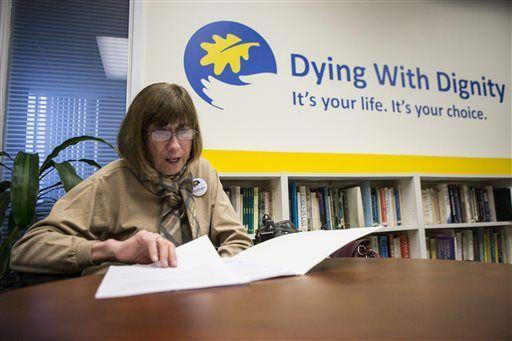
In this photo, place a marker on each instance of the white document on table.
(292, 254)
(200, 266)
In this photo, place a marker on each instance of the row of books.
(447, 203)
(487, 245)
(329, 207)
(251, 205)
(391, 245)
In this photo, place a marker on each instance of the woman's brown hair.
(158, 104)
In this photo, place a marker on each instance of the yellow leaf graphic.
(225, 51)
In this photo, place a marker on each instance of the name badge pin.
(200, 187)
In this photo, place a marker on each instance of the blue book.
(490, 235)
(244, 207)
(445, 247)
(487, 211)
(453, 204)
(398, 208)
(375, 207)
(367, 203)
(383, 246)
(293, 195)
(479, 244)
(325, 195)
(250, 209)
(341, 209)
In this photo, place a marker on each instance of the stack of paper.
(200, 266)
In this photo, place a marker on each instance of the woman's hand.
(144, 247)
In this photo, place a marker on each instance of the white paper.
(299, 252)
(253, 271)
(200, 266)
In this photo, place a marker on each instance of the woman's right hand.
(144, 247)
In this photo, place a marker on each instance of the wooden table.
(340, 298)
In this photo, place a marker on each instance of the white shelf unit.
(469, 225)
(272, 182)
(476, 181)
(413, 222)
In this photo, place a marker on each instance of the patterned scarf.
(177, 200)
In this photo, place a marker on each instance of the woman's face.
(170, 156)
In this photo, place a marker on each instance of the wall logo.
(225, 50)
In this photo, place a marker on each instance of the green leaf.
(70, 142)
(6, 154)
(24, 188)
(11, 223)
(5, 199)
(87, 161)
(67, 175)
(4, 185)
(5, 250)
(4, 165)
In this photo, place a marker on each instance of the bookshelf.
(413, 222)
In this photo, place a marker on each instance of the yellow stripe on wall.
(275, 162)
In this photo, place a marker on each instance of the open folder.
(200, 266)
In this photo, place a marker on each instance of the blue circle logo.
(226, 50)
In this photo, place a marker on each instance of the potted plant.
(21, 196)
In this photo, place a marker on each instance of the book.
(487, 210)
(328, 208)
(342, 214)
(316, 223)
(303, 212)
(428, 211)
(334, 208)
(445, 247)
(479, 244)
(492, 241)
(479, 204)
(355, 206)
(390, 205)
(391, 246)
(383, 246)
(467, 245)
(466, 205)
(487, 246)
(458, 246)
(250, 210)
(367, 203)
(383, 207)
(398, 204)
(435, 206)
(255, 208)
(507, 245)
(293, 204)
(432, 244)
(376, 220)
(309, 208)
(396, 246)
(492, 206)
(235, 199)
(374, 243)
(444, 204)
(404, 246)
(503, 204)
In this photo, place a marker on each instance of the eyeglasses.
(166, 135)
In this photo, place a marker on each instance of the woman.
(139, 208)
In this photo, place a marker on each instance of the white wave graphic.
(227, 96)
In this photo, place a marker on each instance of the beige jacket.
(112, 203)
